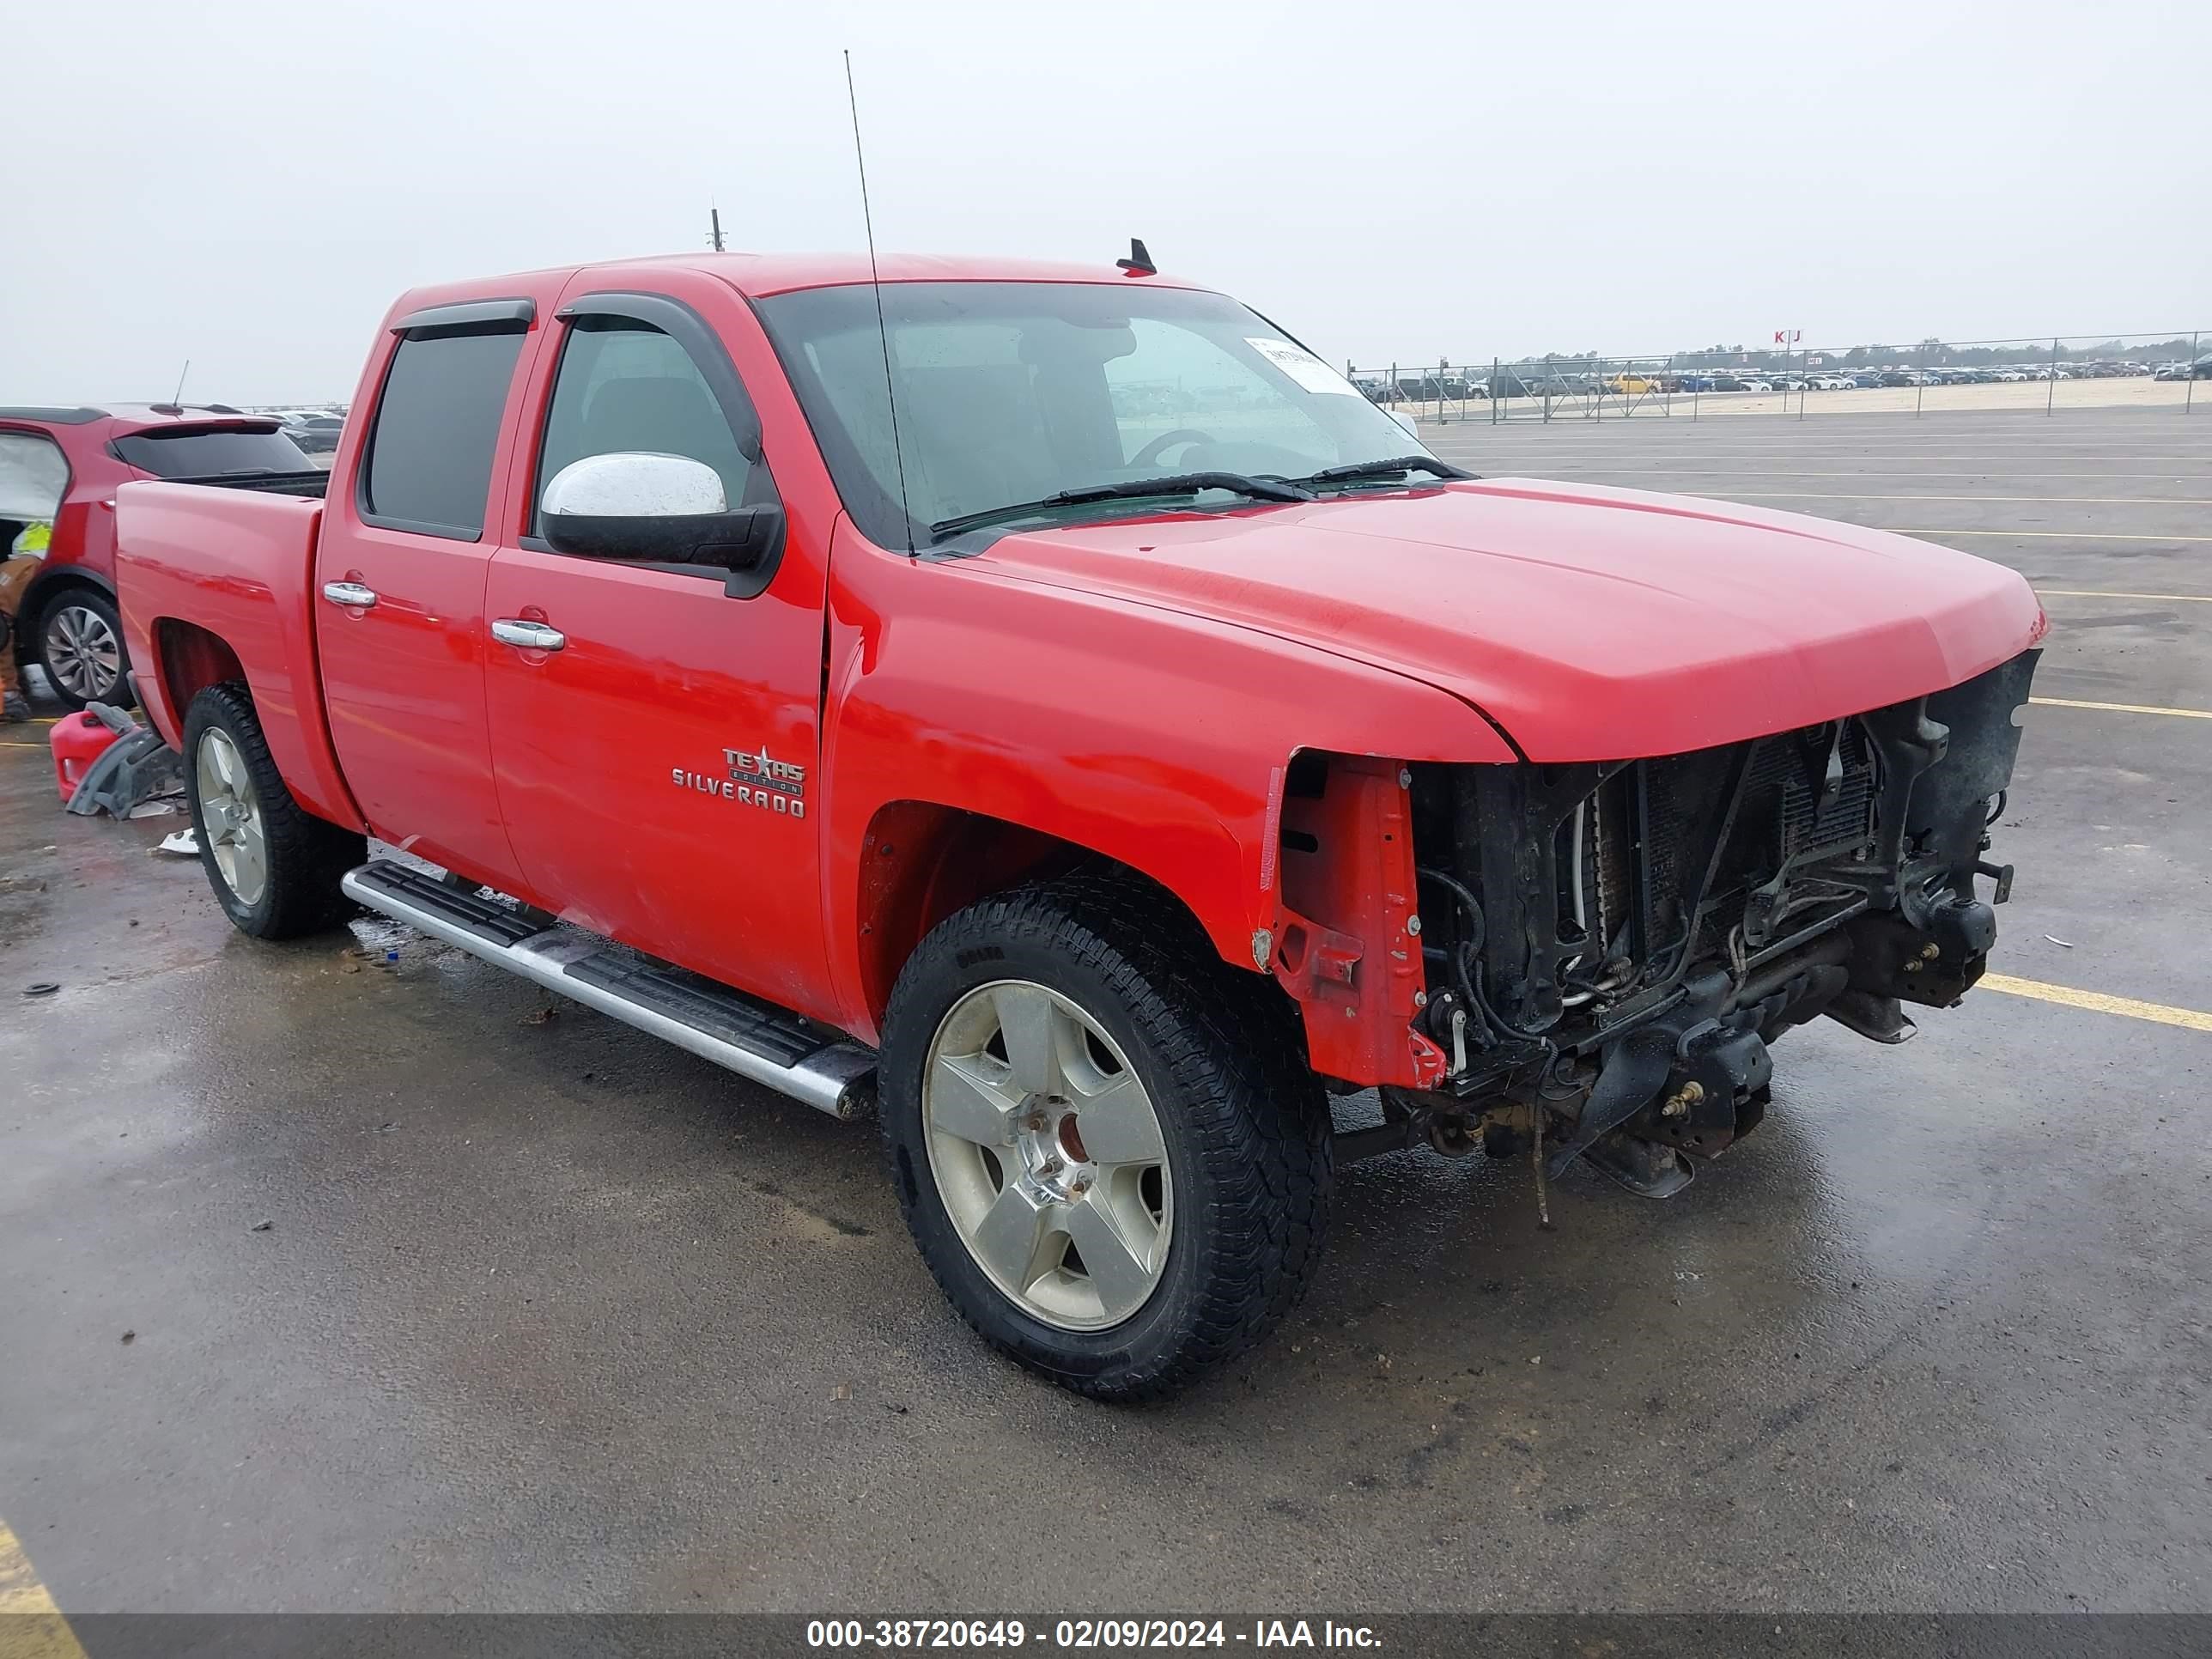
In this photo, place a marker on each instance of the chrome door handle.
(527, 635)
(352, 595)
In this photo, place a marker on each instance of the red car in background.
(62, 463)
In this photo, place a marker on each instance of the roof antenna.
(178, 401)
(1139, 262)
(876, 283)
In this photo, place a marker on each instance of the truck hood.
(1586, 624)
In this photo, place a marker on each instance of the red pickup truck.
(1055, 705)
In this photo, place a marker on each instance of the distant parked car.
(1833, 383)
(1755, 386)
(317, 434)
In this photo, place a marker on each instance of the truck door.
(654, 732)
(400, 588)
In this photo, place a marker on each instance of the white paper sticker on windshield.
(1302, 366)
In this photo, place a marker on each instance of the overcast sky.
(249, 185)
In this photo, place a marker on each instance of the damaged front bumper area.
(1610, 947)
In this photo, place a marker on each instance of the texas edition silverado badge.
(755, 779)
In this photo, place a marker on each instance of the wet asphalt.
(548, 1316)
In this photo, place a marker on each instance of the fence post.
(2051, 383)
(1493, 390)
(1920, 391)
(2189, 385)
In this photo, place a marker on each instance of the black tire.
(1245, 1122)
(305, 855)
(74, 610)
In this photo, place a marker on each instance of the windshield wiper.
(1181, 484)
(1352, 470)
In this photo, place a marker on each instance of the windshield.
(212, 451)
(1010, 393)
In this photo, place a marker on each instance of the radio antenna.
(876, 283)
(177, 398)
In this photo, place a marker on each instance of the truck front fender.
(1141, 734)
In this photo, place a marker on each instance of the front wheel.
(1106, 1143)
(274, 867)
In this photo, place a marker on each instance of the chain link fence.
(1792, 380)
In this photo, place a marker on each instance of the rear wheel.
(1107, 1144)
(81, 647)
(274, 867)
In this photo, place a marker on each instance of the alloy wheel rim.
(230, 817)
(1049, 1155)
(82, 652)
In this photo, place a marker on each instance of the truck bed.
(219, 582)
(312, 483)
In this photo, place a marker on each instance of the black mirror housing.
(743, 546)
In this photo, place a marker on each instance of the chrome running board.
(754, 1039)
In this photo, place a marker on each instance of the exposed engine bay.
(1612, 946)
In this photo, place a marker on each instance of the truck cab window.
(624, 386)
(429, 465)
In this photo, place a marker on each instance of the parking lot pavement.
(550, 1315)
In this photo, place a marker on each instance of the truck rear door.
(399, 581)
(658, 766)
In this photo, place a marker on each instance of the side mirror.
(644, 508)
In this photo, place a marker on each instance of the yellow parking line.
(2098, 1002)
(31, 1626)
(2124, 708)
(2107, 593)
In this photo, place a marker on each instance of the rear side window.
(224, 453)
(429, 465)
(33, 476)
